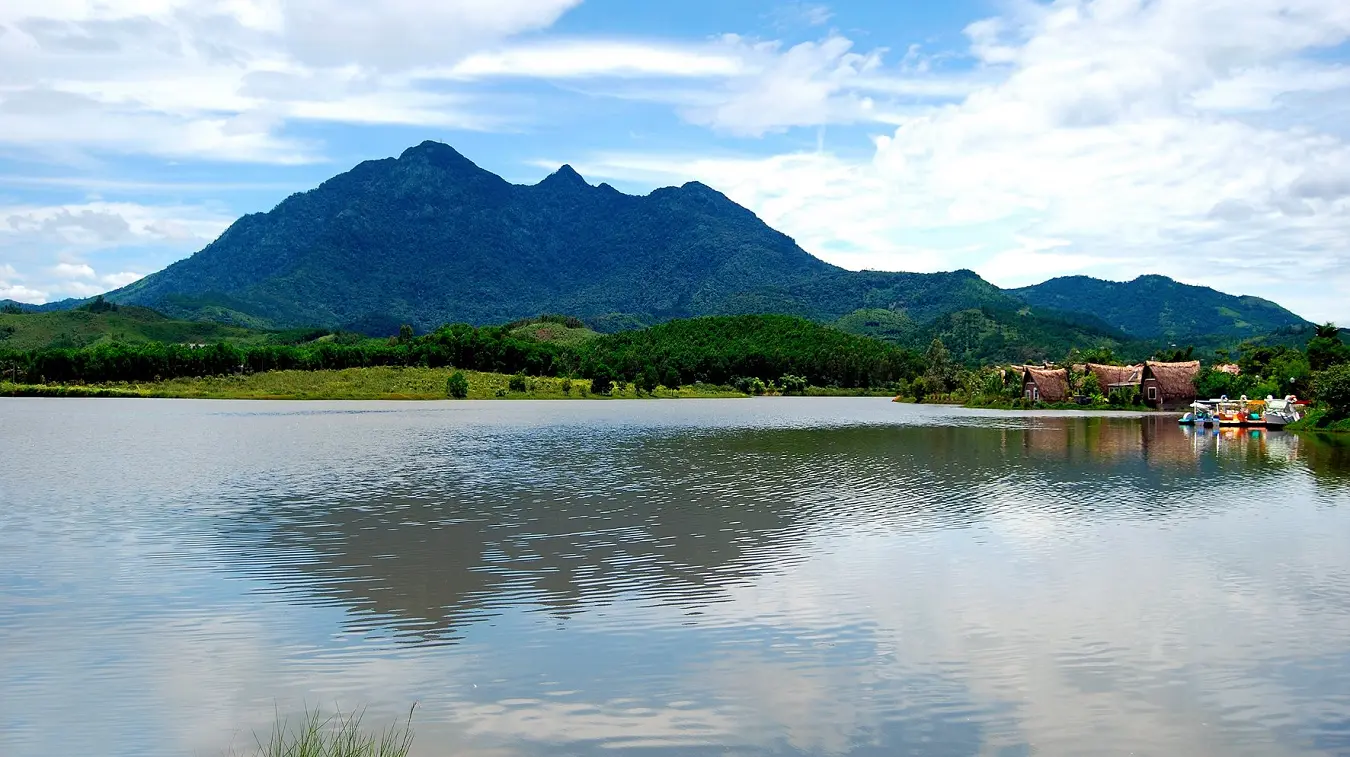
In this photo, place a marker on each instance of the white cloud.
(591, 58)
(804, 85)
(1192, 138)
(121, 279)
(73, 271)
(20, 293)
(177, 78)
(77, 236)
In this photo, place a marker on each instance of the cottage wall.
(1152, 394)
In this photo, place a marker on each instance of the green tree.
(567, 386)
(647, 381)
(457, 385)
(405, 334)
(793, 384)
(1099, 355)
(1326, 349)
(602, 379)
(11, 309)
(1332, 388)
(1090, 386)
(941, 370)
(1174, 354)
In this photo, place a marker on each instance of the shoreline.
(383, 383)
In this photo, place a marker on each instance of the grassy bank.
(1024, 405)
(385, 383)
(1322, 422)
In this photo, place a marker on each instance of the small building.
(1232, 369)
(1169, 386)
(1113, 377)
(1045, 384)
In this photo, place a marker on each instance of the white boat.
(1281, 413)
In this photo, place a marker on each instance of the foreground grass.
(1321, 421)
(338, 735)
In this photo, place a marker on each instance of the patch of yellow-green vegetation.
(75, 329)
(826, 391)
(554, 332)
(359, 384)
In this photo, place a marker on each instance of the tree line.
(715, 350)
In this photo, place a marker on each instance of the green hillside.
(718, 349)
(1156, 307)
(128, 324)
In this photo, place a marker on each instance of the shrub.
(793, 384)
(457, 385)
(919, 387)
(567, 386)
(749, 385)
(518, 383)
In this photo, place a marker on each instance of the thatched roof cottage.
(1169, 386)
(1045, 384)
(1116, 376)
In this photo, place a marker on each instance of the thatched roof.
(1052, 383)
(1110, 375)
(1175, 380)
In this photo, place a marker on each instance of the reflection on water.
(768, 577)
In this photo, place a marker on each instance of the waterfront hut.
(1045, 384)
(1113, 377)
(1169, 386)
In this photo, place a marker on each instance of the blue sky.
(1202, 139)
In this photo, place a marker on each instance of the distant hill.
(130, 324)
(430, 238)
(1156, 307)
(49, 307)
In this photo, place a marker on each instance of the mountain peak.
(436, 154)
(565, 176)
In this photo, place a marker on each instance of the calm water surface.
(756, 577)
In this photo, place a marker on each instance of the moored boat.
(1238, 413)
(1201, 414)
(1281, 413)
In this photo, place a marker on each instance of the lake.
(778, 576)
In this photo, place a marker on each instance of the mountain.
(431, 238)
(1156, 307)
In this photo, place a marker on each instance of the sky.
(1207, 140)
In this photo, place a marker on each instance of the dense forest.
(717, 350)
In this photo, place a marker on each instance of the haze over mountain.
(430, 238)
